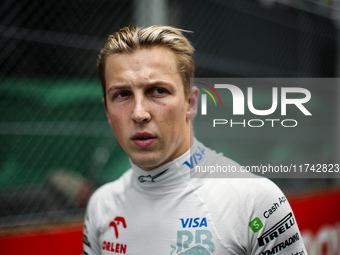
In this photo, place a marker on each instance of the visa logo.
(194, 222)
(195, 158)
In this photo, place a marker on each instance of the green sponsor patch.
(256, 224)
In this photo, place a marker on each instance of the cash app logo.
(256, 224)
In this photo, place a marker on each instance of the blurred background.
(56, 145)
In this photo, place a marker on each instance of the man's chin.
(147, 163)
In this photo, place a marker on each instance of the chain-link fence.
(56, 145)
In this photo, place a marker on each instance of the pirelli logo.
(279, 228)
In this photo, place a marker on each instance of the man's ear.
(107, 115)
(192, 104)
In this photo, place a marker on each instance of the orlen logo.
(238, 108)
(111, 246)
(115, 223)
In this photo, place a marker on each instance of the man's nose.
(140, 111)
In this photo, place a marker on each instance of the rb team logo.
(194, 239)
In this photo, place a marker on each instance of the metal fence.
(56, 146)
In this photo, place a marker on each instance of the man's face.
(147, 107)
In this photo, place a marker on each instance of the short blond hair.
(130, 39)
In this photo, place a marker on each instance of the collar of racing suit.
(172, 174)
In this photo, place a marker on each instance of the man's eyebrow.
(156, 83)
(150, 84)
(118, 87)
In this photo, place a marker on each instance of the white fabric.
(168, 212)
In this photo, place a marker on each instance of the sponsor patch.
(279, 228)
(283, 245)
(256, 224)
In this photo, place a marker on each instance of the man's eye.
(158, 91)
(122, 94)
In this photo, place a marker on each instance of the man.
(155, 207)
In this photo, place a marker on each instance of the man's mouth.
(142, 136)
(143, 139)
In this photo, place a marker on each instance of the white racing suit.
(167, 211)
